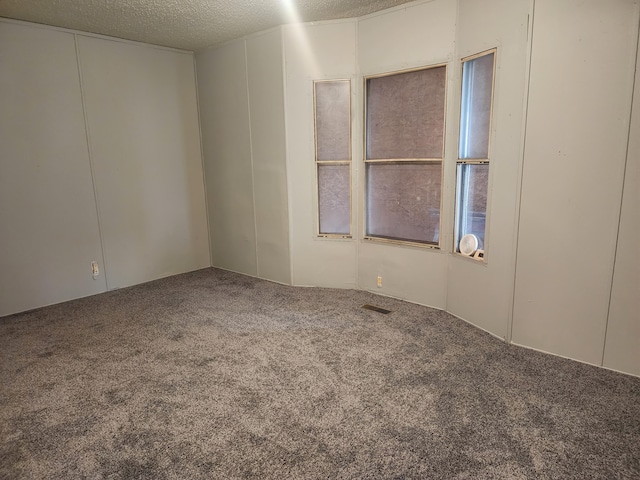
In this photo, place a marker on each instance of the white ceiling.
(185, 24)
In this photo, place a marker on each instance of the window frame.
(460, 162)
(318, 163)
(403, 161)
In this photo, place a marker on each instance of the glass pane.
(473, 185)
(333, 123)
(475, 110)
(405, 114)
(334, 199)
(403, 201)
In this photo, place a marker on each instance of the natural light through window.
(332, 102)
(405, 113)
(472, 176)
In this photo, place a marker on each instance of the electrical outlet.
(95, 271)
(379, 281)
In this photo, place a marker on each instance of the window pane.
(475, 110)
(333, 124)
(403, 201)
(334, 199)
(473, 183)
(405, 114)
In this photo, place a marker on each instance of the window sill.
(406, 243)
(468, 258)
(331, 236)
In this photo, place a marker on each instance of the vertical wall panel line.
(523, 141)
(286, 155)
(91, 166)
(204, 177)
(253, 175)
(624, 175)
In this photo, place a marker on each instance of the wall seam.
(202, 162)
(624, 175)
(523, 143)
(253, 180)
(286, 154)
(91, 164)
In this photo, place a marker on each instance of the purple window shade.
(334, 199)
(405, 115)
(333, 124)
(403, 201)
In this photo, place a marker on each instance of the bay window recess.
(404, 148)
(332, 111)
(472, 176)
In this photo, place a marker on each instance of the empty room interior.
(314, 239)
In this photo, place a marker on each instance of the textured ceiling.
(186, 24)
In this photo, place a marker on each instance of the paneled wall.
(48, 225)
(561, 275)
(318, 52)
(142, 120)
(622, 347)
(268, 147)
(80, 112)
(418, 35)
(582, 68)
(226, 142)
(482, 292)
(241, 96)
(563, 86)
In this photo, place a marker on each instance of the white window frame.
(319, 163)
(399, 161)
(480, 254)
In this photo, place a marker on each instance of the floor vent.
(376, 309)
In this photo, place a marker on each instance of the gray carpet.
(217, 375)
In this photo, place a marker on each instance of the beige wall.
(582, 68)
(139, 148)
(241, 92)
(317, 52)
(226, 143)
(535, 288)
(482, 292)
(142, 121)
(622, 346)
(48, 225)
(268, 152)
(561, 273)
(402, 38)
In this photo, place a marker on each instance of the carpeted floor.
(217, 375)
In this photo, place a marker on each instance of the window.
(472, 183)
(405, 114)
(332, 102)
